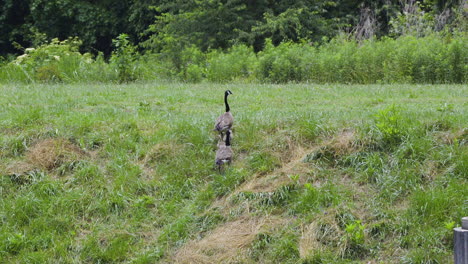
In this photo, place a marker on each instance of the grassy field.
(322, 173)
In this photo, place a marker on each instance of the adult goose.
(224, 121)
(224, 152)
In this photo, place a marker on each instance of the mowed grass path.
(124, 173)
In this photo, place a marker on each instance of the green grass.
(140, 184)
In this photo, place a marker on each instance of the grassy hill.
(321, 174)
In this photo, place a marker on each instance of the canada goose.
(224, 152)
(224, 121)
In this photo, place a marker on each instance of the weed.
(353, 243)
(389, 124)
(124, 57)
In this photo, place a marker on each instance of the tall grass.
(407, 59)
(338, 173)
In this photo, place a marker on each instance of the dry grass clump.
(280, 176)
(20, 172)
(342, 144)
(227, 243)
(323, 232)
(283, 146)
(309, 241)
(53, 152)
(19, 168)
(449, 138)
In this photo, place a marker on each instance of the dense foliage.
(430, 59)
(31, 22)
(163, 24)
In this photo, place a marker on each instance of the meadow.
(322, 173)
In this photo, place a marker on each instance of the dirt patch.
(20, 172)
(227, 243)
(344, 143)
(51, 153)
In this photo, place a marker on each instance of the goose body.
(224, 121)
(224, 153)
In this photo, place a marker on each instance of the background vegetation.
(430, 59)
(214, 24)
(222, 41)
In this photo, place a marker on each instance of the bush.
(124, 58)
(287, 62)
(55, 61)
(182, 63)
(238, 63)
(48, 73)
(191, 66)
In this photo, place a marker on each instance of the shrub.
(124, 58)
(193, 73)
(182, 63)
(191, 66)
(287, 62)
(456, 68)
(237, 63)
(54, 61)
(48, 73)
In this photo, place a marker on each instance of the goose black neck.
(228, 138)
(226, 102)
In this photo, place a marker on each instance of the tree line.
(159, 25)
